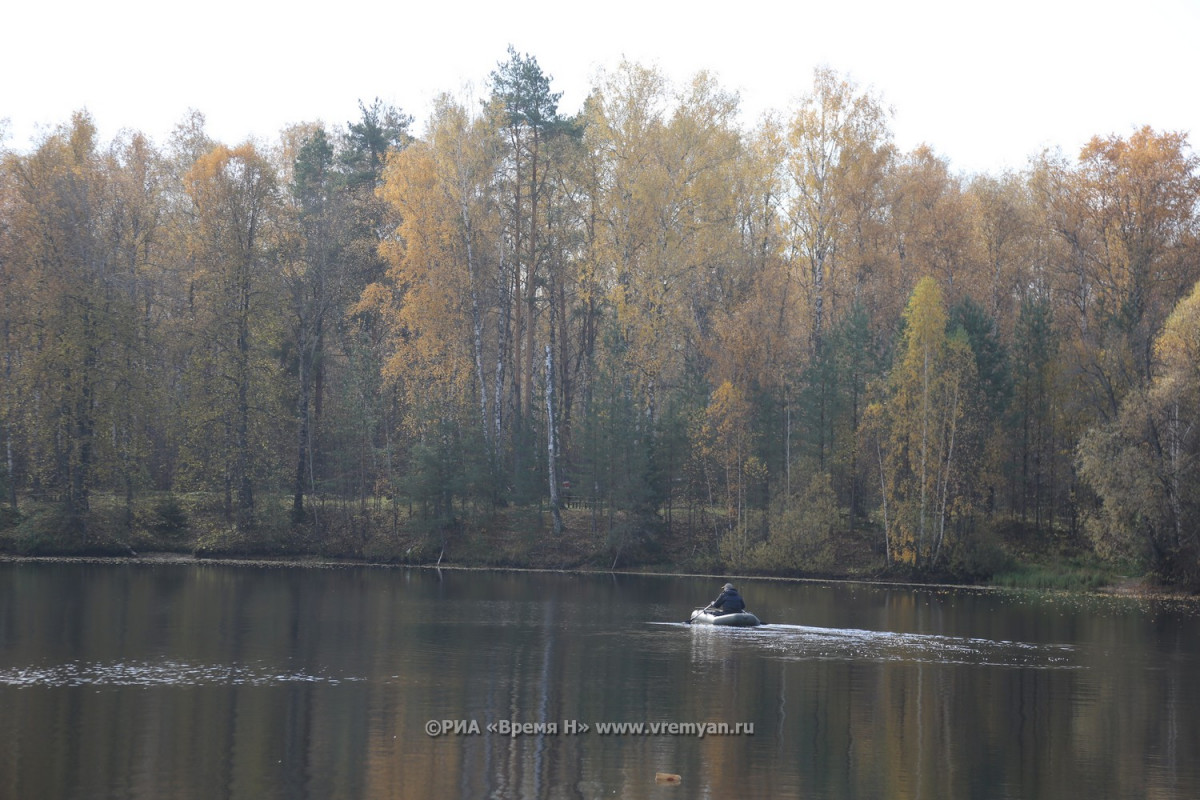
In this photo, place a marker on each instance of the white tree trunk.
(552, 443)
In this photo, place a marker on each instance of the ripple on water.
(837, 643)
(157, 673)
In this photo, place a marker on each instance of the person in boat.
(728, 601)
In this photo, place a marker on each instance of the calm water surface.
(211, 681)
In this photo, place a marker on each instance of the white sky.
(985, 84)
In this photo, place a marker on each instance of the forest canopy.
(776, 339)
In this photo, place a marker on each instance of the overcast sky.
(985, 84)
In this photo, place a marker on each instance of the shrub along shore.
(189, 528)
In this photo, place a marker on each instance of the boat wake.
(804, 642)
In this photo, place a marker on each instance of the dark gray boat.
(739, 619)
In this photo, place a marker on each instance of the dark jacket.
(729, 602)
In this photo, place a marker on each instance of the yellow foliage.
(1177, 349)
(925, 422)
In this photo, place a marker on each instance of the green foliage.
(167, 517)
(831, 404)
(980, 557)
(311, 171)
(991, 356)
(43, 530)
(9, 517)
(1076, 575)
(436, 478)
(523, 91)
(269, 531)
(616, 454)
(1029, 439)
(738, 545)
(380, 128)
(803, 532)
(58, 529)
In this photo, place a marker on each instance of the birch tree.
(234, 196)
(838, 147)
(79, 230)
(1143, 465)
(930, 393)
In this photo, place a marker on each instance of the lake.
(225, 681)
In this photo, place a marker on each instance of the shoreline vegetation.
(169, 530)
(639, 334)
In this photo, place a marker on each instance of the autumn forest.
(644, 323)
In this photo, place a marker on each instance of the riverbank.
(190, 530)
(1143, 587)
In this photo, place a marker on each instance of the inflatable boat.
(740, 619)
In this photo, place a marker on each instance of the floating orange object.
(667, 777)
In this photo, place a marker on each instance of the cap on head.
(729, 587)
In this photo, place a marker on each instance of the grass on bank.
(1076, 577)
(395, 532)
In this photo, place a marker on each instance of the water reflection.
(208, 681)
